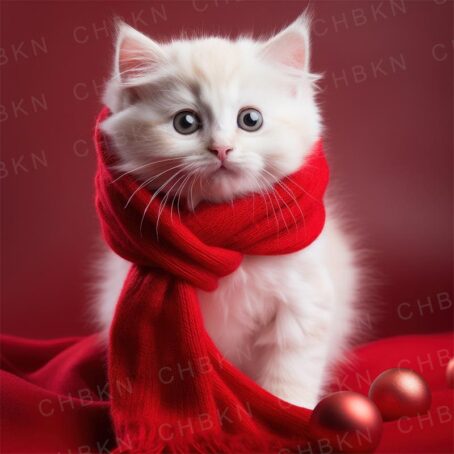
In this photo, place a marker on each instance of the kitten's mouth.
(222, 168)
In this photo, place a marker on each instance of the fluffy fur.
(282, 320)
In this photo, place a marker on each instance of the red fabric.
(54, 397)
(158, 325)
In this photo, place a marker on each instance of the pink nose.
(220, 151)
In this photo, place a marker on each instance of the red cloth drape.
(54, 397)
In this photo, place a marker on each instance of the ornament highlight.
(348, 421)
(450, 373)
(400, 392)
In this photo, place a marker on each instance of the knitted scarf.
(171, 389)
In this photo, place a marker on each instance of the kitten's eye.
(186, 122)
(250, 119)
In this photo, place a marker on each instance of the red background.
(389, 137)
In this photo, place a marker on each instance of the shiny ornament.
(450, 373)
(400, 392)
(349, 421)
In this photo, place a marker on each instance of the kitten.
(213, 119)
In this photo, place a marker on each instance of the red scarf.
(171, 389)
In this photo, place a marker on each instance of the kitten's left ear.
(136, 55)
(291, 46)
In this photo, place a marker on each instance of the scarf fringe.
(220, 443)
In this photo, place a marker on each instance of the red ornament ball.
(450, 373)
(400, 392)
(349, 421)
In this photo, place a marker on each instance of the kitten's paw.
(308, 402)
(294, 395)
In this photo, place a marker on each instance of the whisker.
(269, 187)
(304, 191)
(166, 196)
(283, 200)
(184, 178)
(264, 193)
(260, 192)
(292, 194)
(163, 202)
(190, 175)
(155, 194)
(277, 200)
(288, 177)
(142, 166)
(149, 180)
(191, 195)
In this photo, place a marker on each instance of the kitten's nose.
(220, 151)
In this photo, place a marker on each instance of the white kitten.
(193, 106)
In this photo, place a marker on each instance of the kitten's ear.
(291, 46)
(136, 55)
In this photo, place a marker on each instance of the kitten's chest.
(249, 298)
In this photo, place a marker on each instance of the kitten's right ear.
(136, 55)
(291, 47)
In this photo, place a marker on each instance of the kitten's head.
(212, 118)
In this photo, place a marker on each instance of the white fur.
(283, 319)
